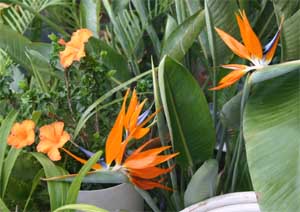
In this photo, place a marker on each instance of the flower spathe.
(141, 165)
(52, 137)
(74, 50)
(22, 134)
(251, 50)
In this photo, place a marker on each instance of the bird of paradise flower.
(251, 50)
(141, 165)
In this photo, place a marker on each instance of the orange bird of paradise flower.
(251, 50)
(74, 50)
(22, 134)
(141, 166)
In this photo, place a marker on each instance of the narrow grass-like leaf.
(75, 186)
(90, 109)
(3, 207)
(8, 166)
(4, 132)
(147, 197)
(35, 182)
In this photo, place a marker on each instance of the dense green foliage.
(242, 138)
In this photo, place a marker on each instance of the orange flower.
(251, 50)
(52, 137)
(74, 50)
(141, 166)
(134, 124)
(22, 134)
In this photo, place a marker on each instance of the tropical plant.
(233, 133)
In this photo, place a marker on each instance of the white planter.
(116, 198)
(234, 202)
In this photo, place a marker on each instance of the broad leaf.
(219, 13)
(182, 38)
(291, 38)
(187, 113)
(57, 190)
(203, 183)
(16, 46)
(90, 15)
(271, 130)
(231, 112)
(286, 8)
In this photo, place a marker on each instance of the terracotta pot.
(233, 202)
(116, 198)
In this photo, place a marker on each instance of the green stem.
(246, 92)
(43, 18)
(163, 133)
(148, 199)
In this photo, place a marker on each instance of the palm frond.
(19, 19)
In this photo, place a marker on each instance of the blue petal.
(269, 45)
(90, 154)
(144, 115)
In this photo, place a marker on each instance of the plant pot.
(116, 198)
(233, 202)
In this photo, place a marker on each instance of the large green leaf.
(203, 183)
(187, 113)
(4, 132)
(291, 38)
(183, 37)
(286, 8)
(220, 14)
(57, 190)
(75, 186)
(17, 45)
(90, 15)
(271, 130)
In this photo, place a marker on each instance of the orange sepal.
(230, 79)
(83, 161)
(148, 184)
(149, 172)
(114, 140)
(233, 44)
(131, 108)
(249, 37)
(135, 115)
